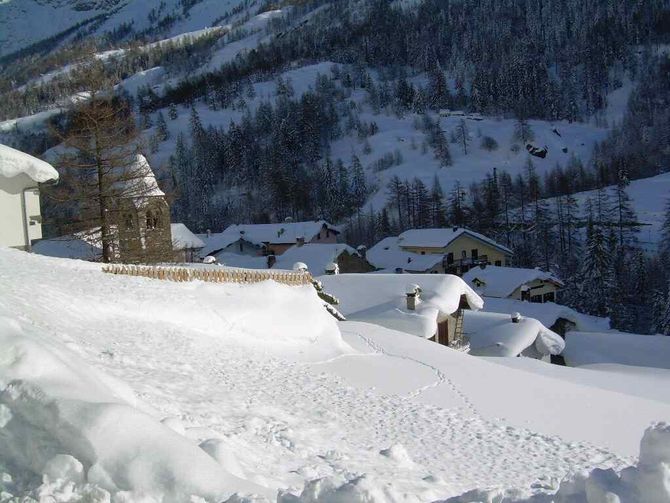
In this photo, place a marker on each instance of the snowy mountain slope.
(25, 22)
(648, 197)
(264, 379)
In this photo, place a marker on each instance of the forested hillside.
(385, 115)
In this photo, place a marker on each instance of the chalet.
(269, 239)
(532, 285)
(277, 238)
(437, 251)
(317, 258)
(185, 245)
(510, 335)
(20, 176)
(426, 306)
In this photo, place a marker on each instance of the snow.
(646, 481)
(642, 382)
(494, 334)
(501, 282)
(14, 162)
(184, 239)
(72, 247)
(441, 238)
(587, 348)
(547, 313)
(648, 197)
(315, 255)
(387, 254)
(259, 380)
(216, 242)
(381, 299)
(285, 232)
(140, 182)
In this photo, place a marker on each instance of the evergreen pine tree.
(595, 281)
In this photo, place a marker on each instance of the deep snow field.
(125, 389)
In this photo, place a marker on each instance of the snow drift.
(646, 482)
(62, 419)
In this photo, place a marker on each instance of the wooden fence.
(211, 275)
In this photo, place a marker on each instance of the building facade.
(20, 215)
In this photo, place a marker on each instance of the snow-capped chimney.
(413, 296)
(362, 251)
(516, 317)
(209, 233)
(332, 269)
(272, 260)
(300, 240)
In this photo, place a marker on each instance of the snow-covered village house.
(431, 307)
(185, 245)
(532, 285)
(269, 239)
(437, 251)
(319, 257)
(20, 216)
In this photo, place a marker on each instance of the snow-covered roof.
(14, 162)
(315, 256)
(381, 299)
(387, 254)
(242, 261)
(74, 247)
(547, 313)
(590, 348)
(141, 182)
(502, 281)
(494, 334)
(214, 243)
(184, 239)
(285, 232)
(441, 238)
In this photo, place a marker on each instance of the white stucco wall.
(12, 231)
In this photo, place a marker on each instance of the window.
(475, 253)
(423, 252)
(450, 258)
(536, 299)
(128, 221)
(498, 263)
(153, 220)
(464, 254)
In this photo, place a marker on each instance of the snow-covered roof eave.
(14, 162)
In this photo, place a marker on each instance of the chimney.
(300, 241)
(455, 228)
(332, 269)
(362, 251)
(209, 233)
(516, 317)
(413, 296)
(272, 260)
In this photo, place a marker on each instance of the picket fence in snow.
(219, 275)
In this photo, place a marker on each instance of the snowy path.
(282, 419)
